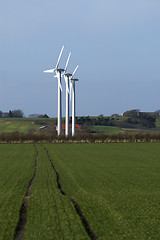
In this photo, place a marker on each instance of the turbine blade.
(65, 78)
(59, 84)
(67, 62)
(74, 71)
(50, 70)
(59, 57)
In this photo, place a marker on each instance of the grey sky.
(116, 43)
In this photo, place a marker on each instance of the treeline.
(19, 114)
(38, 115)
(12, 114)
(17, 137)
(136, 121)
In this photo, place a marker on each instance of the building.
(78, 127)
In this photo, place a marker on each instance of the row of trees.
(100, 120)
(19, 114)
(12, 114)
(136, 112)
(134, 121)
(34, 115)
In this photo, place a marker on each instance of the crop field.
(17, 126)
(24, 125)
(80, 191)
(16, 169)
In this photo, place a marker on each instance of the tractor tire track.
(57, 219)
(57, 174)
(61, 190)
(83, 219)
(21, 225)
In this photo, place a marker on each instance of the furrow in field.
(57, 174)
(62, 192)
(83, 219)
(51, 215)
(20, 229)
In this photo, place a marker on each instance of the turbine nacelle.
(74, 79)
(68, 74)
(60, 70)
(54, 70)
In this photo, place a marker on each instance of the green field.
(104, 129)
(17, 126)
(24, 125)
(16, 169)
(115, 185)
(51, 215)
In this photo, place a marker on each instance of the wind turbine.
(58, 76)
(66, 78)
(72, 89)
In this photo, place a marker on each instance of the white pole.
(67, 106)
(59, 105)
(73, 108)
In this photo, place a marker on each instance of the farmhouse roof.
(78, 127)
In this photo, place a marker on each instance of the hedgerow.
(17, 137)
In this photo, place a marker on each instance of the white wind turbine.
(66, 78)
(58, 75)
(72, 90)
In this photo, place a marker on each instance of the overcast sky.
(116, 44)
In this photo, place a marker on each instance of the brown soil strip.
(83, 219)
(20, 229)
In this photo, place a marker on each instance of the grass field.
(24, 124)
(17, 127)
(115, 185)
(51, 215)
(16, 169)
(104, 129)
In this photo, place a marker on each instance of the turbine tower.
(58, 76)
(66, 78)
(73, 80)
